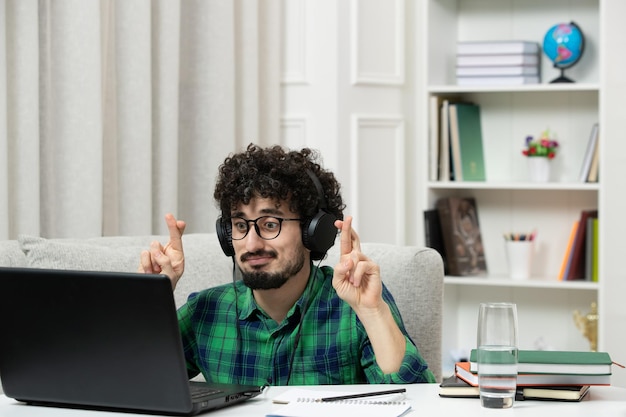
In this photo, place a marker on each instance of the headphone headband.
(321, 198)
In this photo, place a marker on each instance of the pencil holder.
(519, 255)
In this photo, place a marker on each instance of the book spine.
(447, 232)
(568, 251)
(432, 235)
(503, 80)
(594, 268)
(434, 132)
(496, 60)
(593, 169)
(455, 144)
(589, 153)
(489, 71)
(577, 267)
(444, 143)
(589, 249)
(498, 47)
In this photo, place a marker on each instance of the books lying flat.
(496, 47)
(497, 63)
(497, 71)
(565, 393)
(462, 370)
(556, 361)
(455, 387)
(503, 80)
(496, 60)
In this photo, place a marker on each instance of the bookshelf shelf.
(531, 186)
(531, 88)
(501, 281)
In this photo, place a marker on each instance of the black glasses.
(267, 227)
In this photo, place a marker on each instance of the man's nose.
(253, 239)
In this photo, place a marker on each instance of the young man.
(288, 321)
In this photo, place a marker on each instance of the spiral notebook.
(298, 402)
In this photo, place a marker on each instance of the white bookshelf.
(507, 201)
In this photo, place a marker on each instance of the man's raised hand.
(356, 278)
(168, 259)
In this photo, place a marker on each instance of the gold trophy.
(588, 325)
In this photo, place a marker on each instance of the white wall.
(347, 89)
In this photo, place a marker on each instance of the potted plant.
(539, 152)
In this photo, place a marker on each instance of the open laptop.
(98, 340)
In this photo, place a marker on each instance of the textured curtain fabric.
(113, 113)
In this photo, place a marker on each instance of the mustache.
(244, 257)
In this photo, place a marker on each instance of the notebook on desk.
(98, 340)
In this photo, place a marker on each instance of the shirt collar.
(248, 307)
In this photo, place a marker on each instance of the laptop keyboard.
(200, 391)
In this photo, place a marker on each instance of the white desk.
(424, 398)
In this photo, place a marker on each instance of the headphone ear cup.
(319, 233)
(224, 232)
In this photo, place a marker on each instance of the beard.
(262, 280)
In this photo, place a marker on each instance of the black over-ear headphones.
(318, 232)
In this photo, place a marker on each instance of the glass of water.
(497, 354)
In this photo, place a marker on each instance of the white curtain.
(115, 112)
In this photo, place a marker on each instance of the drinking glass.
(497, 354)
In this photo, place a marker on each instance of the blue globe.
(564, 44)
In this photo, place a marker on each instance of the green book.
(466, 133)
(558, 362)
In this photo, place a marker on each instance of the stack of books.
(551, 375)
(498, 63)
(455, 387)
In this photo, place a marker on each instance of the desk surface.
(424, 399)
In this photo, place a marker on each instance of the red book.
(577, 267)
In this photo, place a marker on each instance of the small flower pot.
(538, 169)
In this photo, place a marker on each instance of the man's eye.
(270, 224)
(240, 226)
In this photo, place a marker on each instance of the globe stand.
(562, 78)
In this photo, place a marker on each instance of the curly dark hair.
(279, 174)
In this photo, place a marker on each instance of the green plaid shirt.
(229, 339)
